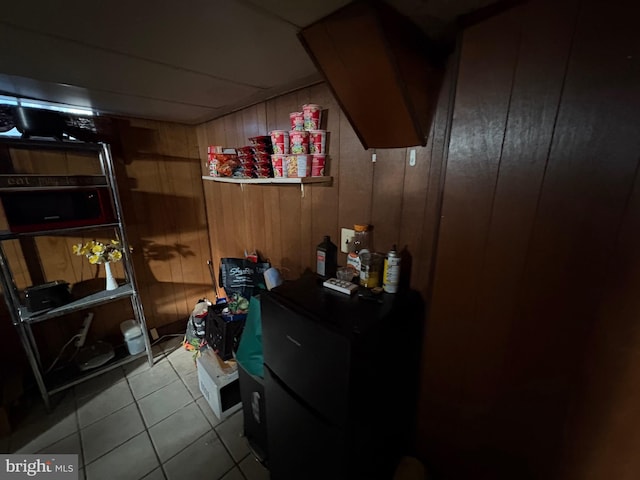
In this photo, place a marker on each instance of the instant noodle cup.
(317, 142)
(312, 115)
(297, 166)
(280, 141)
(297, 120)
(317, 165)
(298, 142)
(277, 163)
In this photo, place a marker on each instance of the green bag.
(249, 353)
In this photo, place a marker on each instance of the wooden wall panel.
(489, 55)
(284, 225)
(531, 351)
(159, 178)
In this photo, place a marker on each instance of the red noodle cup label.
(318, 159)
(278, 171)
(280, 141)
(312, 116)
(298, 142)
(317, 141)
(297, 120)
(278, 164)
(317, 165)
(297, 166)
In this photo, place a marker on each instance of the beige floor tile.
(234, 474)
(253, 470)
(207, 411)
(157, 474)
(40, 429)
(141, 365)
(99, 405)
(231, 432)
(100, 383)
(162, 403)
(68, 445)
(204, 458)
(110, 432)
(178, 431)
(130, 461)
(191, 381)
(183, 361)
(155, 378)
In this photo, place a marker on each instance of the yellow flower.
(115, 256)
(97, 248)
(115, 242)
(93, 259)
(77, 249)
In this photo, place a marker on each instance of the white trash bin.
(133, 336)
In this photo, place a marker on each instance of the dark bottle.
(326, 258)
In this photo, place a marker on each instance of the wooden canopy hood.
(383, 71)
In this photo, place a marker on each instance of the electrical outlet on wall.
(345, 238)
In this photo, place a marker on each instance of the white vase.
(111, 281)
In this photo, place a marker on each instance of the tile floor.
(138, 422)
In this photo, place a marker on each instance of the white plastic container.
(133, 336)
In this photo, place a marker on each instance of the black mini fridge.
(340, 380)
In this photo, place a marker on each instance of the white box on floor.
(220, 388)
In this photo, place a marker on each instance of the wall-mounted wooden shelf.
(276, 181)
(273, 181)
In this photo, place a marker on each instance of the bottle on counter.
(370, 266)
(391, 275)
(326, 258)
(361, 243)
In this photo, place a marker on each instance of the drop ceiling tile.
(69, 63)
(299, 13)
(230, 39)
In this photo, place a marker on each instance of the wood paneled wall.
(399, 200)
(532, 351)
(159, 179)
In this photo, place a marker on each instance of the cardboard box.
(220, 387)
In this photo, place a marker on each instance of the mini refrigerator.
(341, 379)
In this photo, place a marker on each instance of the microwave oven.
(56, 208)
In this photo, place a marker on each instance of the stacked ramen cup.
(300, 152)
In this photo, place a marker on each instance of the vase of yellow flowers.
(100, 253)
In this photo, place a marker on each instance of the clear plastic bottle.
(361, 243)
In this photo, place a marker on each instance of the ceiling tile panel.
(225, 38)
(59, 61)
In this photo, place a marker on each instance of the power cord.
(77, 335)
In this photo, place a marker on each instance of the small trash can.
(133, 336)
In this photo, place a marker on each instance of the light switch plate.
(345, 239)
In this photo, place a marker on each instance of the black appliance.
(38, 210)
(48, 295)
(341, 378)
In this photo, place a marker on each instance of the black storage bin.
(223, 332)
